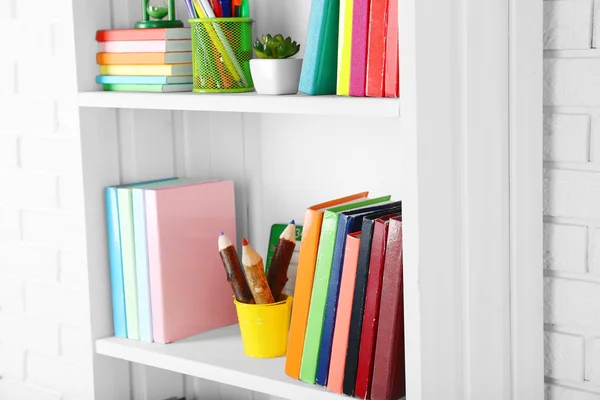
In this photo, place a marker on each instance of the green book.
(121, 87)
(276, 231)
(316, 314)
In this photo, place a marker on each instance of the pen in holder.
(222, 49)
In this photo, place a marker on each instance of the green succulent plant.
(275, 47)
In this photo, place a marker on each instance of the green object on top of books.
(276, 231)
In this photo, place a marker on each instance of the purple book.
(358, 60)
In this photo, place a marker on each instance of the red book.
(371, 313)
(116, 35)
(376, 48)
(392, 85)
(388, 371)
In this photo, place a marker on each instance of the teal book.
(316, 314)
(319, 68)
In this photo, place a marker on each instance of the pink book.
(341, 330)
(392, 83)
(145, 46)
(188, 286)
(358, 60)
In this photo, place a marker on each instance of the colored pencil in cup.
(235, 275)
(255, 274)
(218, 37)
(277, 275)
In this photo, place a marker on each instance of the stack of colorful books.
(167, 280)
(145, 60)
(352, 49)
(347, 325)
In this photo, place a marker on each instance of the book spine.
(116, 263)
(371, 312)
(389, 365)
(392, 80)
(344, 48)
(128, 255)
(314, 327)
(332, 301)
(335, 377)
(154, 265)
(376, 50)
(358, 61)
(358, 304)
(141, 265)
(303, 290)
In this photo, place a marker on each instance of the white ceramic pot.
(279, 76)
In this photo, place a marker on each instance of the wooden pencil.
(277, 275)
(235, 275)
(255, 273)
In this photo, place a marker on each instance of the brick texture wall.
(572, 199)
(45, 342)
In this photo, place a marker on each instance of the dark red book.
(371, 313)
(388, 370)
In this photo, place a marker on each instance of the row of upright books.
(167, 280)
(347, 325)
(145, 60)
(352, 49)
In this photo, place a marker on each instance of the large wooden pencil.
(277, 275)
(255, 273)
(235, 275)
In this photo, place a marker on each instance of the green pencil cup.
(221, 54)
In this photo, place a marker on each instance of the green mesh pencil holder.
(221, 53)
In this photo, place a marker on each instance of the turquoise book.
(115, 258)
(319, 68)
(316, 314)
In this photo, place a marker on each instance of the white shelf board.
(218, 356)
(246, 102)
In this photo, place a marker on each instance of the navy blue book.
(349, 222)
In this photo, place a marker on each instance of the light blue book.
(115, 258)
(142, 80)
(141, 256)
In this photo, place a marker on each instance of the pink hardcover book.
(341, 330)
(358, 60)
(188, 286)
(145, 46)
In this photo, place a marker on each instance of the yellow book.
(344, 48)
(147, 70)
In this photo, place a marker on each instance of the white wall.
(44, 321)
(572, 199)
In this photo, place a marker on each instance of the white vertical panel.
(485, 163)
(526, 235)
(155, 384)
(100, 165)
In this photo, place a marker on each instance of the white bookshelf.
(217, 356)
(246, 102)
(460, 149)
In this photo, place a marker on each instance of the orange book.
(311, 233)
(335, 381)
(143, 58)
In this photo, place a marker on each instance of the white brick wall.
(45, 346)
(572, 199)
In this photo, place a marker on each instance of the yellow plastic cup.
(265, 327)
